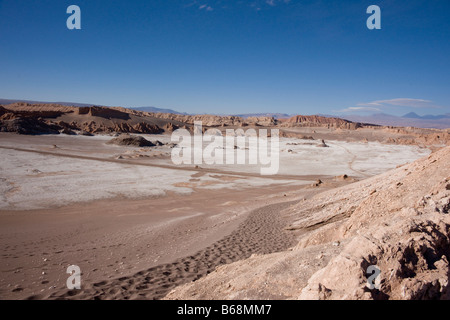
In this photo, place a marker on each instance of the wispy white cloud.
(389, 104)
(356, 109)
(205, 7)
(273, 3)
(210, 5)
(401, 102)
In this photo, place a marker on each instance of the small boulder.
(322, 144)
(85, 133)
(158, 143)
(132, 141)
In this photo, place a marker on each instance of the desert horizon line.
(342, 113)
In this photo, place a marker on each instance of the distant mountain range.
(274, 115)
(157, 110)
(145, 109)
(74, 104)
(68, 104)
(411, 119)
(413, 115)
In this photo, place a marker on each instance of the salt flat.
(46, 178)
(357, 159)
(299, 157)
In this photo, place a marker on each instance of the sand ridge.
(262, 233)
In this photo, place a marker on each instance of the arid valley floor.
(141, 227)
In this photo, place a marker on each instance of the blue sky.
(217, 56)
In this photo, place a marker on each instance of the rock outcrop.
(28, 126)
(103, 112)
(319, 121)
(322, 144)
(129, 140)
(44, 119)
(123, 127)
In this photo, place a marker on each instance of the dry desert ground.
(141, 227)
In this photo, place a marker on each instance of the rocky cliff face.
(2, 111)
(319, 121)
(24, 122)
(123, 127)
(29, 126)
(23, 118)
(107, 113)
(124, 120)
(416, 136)
(400, 222)
(26, 107)
(207, 120)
